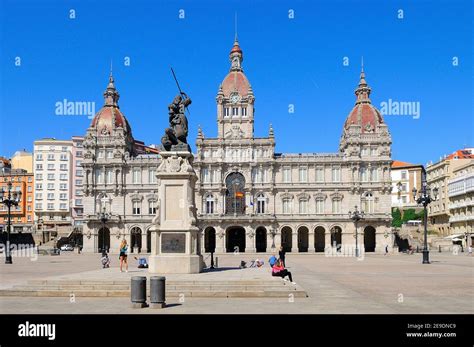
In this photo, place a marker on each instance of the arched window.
(368, 203)
(235, 194)
(261, 203)
(209, 204)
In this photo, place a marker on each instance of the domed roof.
(109, 116)
(364, 113)
(236, 81)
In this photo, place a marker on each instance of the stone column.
(311, 248)
(203, 242)
(220, 239)
(294, 241)
(250, 238)
(277, 241)
(327, 239)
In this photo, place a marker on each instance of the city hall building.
(249, 198)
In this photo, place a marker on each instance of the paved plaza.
(376, 284)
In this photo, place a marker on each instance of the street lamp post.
(424, 198)
(356, 216)
(103, 216)
(11, 199)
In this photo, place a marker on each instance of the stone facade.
(252, 199)
(248, 198)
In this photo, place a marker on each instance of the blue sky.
(288, 61)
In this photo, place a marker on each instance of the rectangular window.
(374, 175)
(99, 176)
(137, 175)
(206, 177)
(287, 175)
(404, 175)
(235, 111)
(78, 182)
(100, 154)
(39, 156)
(29, 208)
(364, 152)
(336, 174)
(50, 166)
(39, 176)
(109, 178)
(30, 198)
(110, 154)
(39, 196)
(62, 206)
(78, 153)
(63, 177)
(78, 202)
(244, 111)
(38, 206)
(50, 156)
(79, 173)
(303, 174)
(226, 112)
(303, 208)
(286, 206)
(136, 207)
(50, 196)
(29, 218)
(404, 199)
(152, 175)
(319, 174)
(50, 206)
(63, 186)
(30, 179)
(319, 206)
(63, 157)
(63, 196)
(373, 151)
(336, 206)
(363, 174)
(50, 186)
(39, 186)
(64, 149)
(30, 189)
(63, 167)
(39, 166)
(152, 207)
(51, 177)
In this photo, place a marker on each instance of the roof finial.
(235, 28)
(362, 64)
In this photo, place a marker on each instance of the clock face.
(234, 98)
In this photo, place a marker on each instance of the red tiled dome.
(110, 117)
(235, 81)
(364, 113)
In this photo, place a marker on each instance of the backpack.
(272, 260)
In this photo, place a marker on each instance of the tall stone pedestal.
(175, 238)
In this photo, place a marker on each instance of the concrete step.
(192, 287)
(169, 293)
(273, 287)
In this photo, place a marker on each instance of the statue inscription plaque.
(173, 243)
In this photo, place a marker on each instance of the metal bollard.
(138, 291)
(157, 292)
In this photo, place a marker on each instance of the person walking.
(469, 250)
(282, 255)
(123, 255)
(386, 250)
(280, 271)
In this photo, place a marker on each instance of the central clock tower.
(235, 101)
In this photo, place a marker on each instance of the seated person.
(279, 270)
